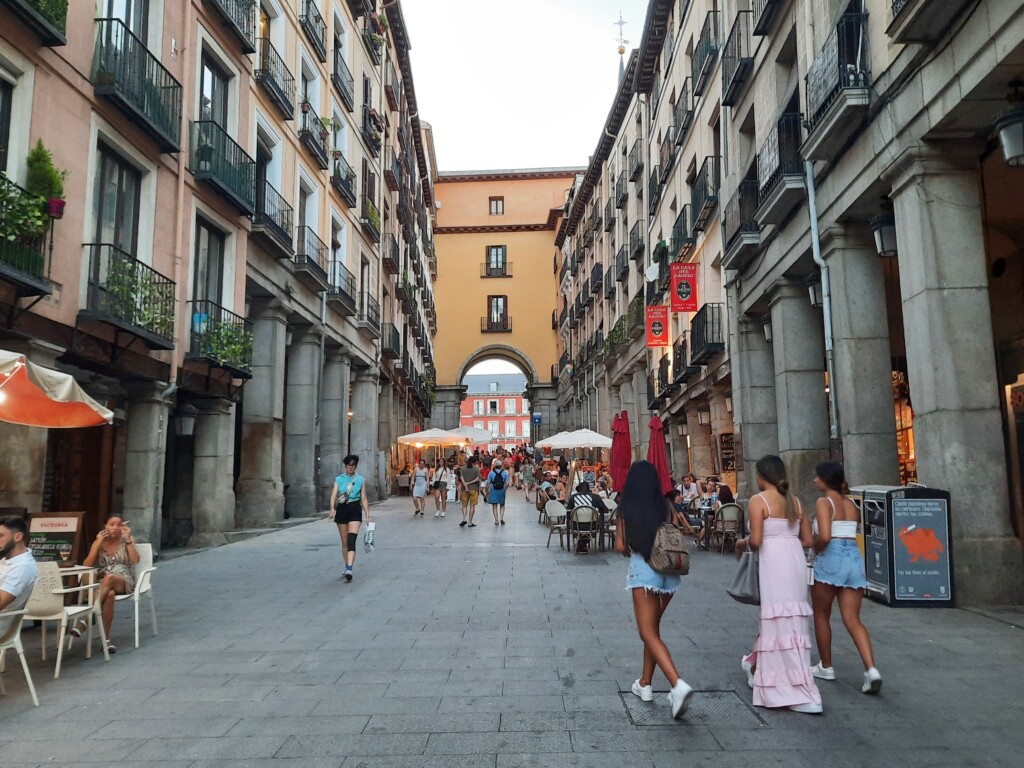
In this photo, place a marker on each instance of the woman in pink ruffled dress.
(779, 668)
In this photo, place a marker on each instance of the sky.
(521, 84)
(492, 366)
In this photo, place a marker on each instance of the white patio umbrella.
(431, 437)
(472, 434)
(580, 438)
(552, 442)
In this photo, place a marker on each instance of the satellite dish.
(652, 273)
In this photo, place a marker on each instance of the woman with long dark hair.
(642, 510)
(839, 574)
(779, 669)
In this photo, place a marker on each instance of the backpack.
(669, 555)
(497, 480)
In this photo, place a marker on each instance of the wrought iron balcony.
(596, 215)
(220, 338)
(273, 219)
(130, 296)
(46, 18)
(341, 288)
(239, 16)
(765, 12)
(653, 293)
(341, 79)
(371, 129)
(131, 77)
(609, 216)
(621, 191)
(737, 60)
(391, 255)
(636, 317)
(370, 219)
(654, 189)
(314, 133)
(636, 242)
(667, 156)
(664, 379)
(315, 28)
(707, 334)
(705, 192)
(682, 236)
(596, 278)
(393, 171)
(838, 90)
(610, 288)
(922, 21)
(391, 342)
(368, 319)
(780, 170)
(311, 259)
(621, 265)
(502, 324)
(742, 230)
(374, 44)
(586, 294)
(221, 163)
(681, 368)
(275, 78)
(499, 269)
(361, 7)
(682, 118)
(343, 179)
(636, 160)
(24, 252)
(392, 87)
(705, 53)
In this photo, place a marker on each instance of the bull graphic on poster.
(921, 543)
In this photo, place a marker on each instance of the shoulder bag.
(746, 585)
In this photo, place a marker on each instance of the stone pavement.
(480, 647)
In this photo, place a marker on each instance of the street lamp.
(185, 420)
(814, 289)
(884, 227)
(704, 417)
(767, 320)
(1010, 127)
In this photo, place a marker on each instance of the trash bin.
(907, 552)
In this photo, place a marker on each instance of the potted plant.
(306, 103)
(45, 180)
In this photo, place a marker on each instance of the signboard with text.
(657, 326)
(684, 287)
(921, 568)
(56, 537)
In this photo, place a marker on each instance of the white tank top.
(842, 529)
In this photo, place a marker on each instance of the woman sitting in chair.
(114, 554)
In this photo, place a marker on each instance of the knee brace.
(353, 539)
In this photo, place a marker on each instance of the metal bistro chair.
(610, 522)
(727, 525)
(555, 513)
(583, 523)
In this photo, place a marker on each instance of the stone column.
(721, 424)
(300, 440)
(213, 462)
(754, 410)
(365, 396)
(24, 448)
(702, 461)
(951, 365)
(333, 420)
(260, 491)
(863, 358)
(642, 414)
(148, 422)
(798, 344)
(614, 400)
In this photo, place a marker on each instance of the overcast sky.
(520, 84)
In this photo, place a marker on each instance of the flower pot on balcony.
(306, 106)
(324, 133)
(55, 207)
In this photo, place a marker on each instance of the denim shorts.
(841, 565)
(642, 575)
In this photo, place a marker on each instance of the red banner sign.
(684, 287)
(657, 326)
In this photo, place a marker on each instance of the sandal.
(79, 629)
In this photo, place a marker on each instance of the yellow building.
(496, 281)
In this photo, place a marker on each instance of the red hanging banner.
(657, 326)
(684, 287)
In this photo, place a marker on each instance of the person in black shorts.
(348, 503)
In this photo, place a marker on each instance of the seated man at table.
(584, 498)
(17, 583)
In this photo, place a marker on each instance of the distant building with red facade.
(495, 403)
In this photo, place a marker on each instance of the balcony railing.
(239, 16)
(391, 255)
(682, 235)
(737, 60)
(314, 132)
(596, 215)
(596, 278)
(664, 378)
(125, 71)
(23, 240)
(370, 219)
(621, 191)
(621, 265)
(496, 269)
(360, 7)
(47, 18)
(764, 15)
(654, 189)
(219, 161)
(707, 334)
(609, 216)
(841, 64)
(392, 87)
(739, 212)
(369, 315)
(705, 54)
(705, 192)
(393, 171)
(341, 287)
(667, 156)
(502, 324)
(311, 258)
(374, 44)
(343, 179)
(610, 287)
(681, 367)
(636, 242)
(130, 295)
(780, 155)
(315, 28)
(273, 215)
(636, 160)
(221, 338)
(275, 78)
(682, 118)
(341, 79)
(391, 341)
(371, 129)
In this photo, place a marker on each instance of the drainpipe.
(826, 303)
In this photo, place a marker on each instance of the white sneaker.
(437, 514)
(808, 709)
(679, 699)
(645, 692)
(823, 673)
(872, 681)
(748, 668)
(442, 514)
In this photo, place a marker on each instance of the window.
(478, 407)
(492, 427)
(496, 261)
(213, 93)
(510, 407)
(369, 182)
(116, 202)
(478, 425)
(510, 428)
(497, 314)
(493, 386)
(492, 407)
(208, 284)
(526, 428)
(131, 12)
(6, 97)
(497, 206)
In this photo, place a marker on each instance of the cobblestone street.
(482, 647)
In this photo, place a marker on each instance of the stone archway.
(501, 352)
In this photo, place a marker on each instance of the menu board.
(920, 549)
(727, 451)
(56, 537)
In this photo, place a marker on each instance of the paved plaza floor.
(482, 647)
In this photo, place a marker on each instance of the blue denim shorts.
(642, 575)
(841, 565)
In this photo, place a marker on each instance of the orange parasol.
(35, 396)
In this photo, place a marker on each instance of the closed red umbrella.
(656, 453)
(622, 450)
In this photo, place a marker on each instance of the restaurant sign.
(684, 287)
(657, 326)
(56, 537)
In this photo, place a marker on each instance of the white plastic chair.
(11, 638)
(555, 513)
(47, 604)
(143, 586)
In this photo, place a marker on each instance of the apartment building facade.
(217, 277)
(495, 403)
